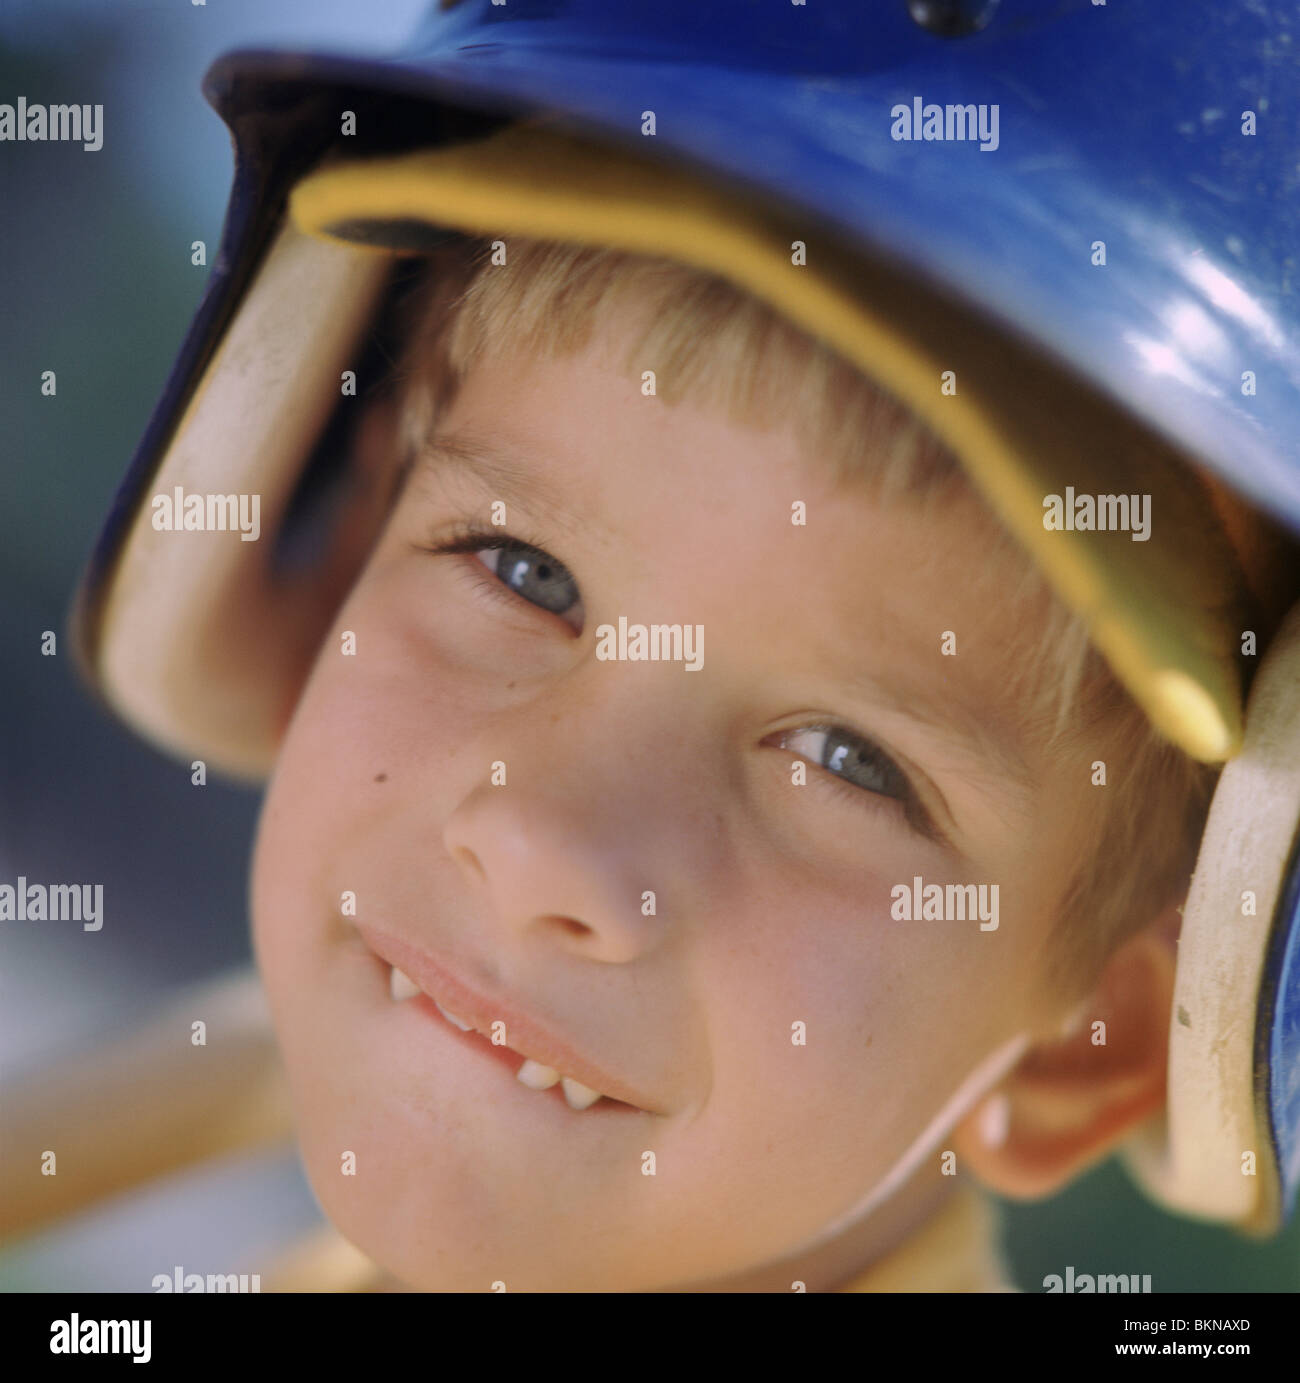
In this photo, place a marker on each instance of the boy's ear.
(1070, 1101)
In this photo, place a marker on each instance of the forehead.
(578, 440)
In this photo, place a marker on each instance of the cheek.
(330, 776)
(369, 710)
(366, 773)
(808, 1011)
(825, 1009)
(311, 794)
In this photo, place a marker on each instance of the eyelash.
(468, 537)
(471, 537)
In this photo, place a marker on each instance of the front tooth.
(401, 985)
(577, 1094)
(451, 1017)
(536, 1076)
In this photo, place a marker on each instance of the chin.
(429, 1233)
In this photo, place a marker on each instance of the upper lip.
(524, 1034)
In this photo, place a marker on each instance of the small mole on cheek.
(381, 777)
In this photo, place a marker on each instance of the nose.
(570, 845)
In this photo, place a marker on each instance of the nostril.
(469, 862)
(572, 926)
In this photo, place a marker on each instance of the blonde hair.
(718, 346)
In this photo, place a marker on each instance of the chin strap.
(1228, 1146)
(973, 1087)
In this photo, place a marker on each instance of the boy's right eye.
(533, 574)
(522, 569)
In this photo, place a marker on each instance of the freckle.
(509, 685)
(381, 777)
(869, 1041)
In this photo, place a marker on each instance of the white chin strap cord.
(982, 1079)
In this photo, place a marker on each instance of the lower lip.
(483, 1048)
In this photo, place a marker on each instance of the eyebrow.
(498, 472)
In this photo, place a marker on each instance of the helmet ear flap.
(355, 472)
(201, 637)
(1228, 1145)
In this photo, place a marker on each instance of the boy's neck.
(827, 1267)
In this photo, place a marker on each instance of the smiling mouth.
(529, 1072)
(540, 1059)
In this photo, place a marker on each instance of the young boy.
(703, 843)
(502, 802)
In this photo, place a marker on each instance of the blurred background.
(96, 283)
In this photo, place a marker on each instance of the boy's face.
(791, 1038)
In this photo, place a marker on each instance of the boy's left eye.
(856, 762)
(848, 757)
